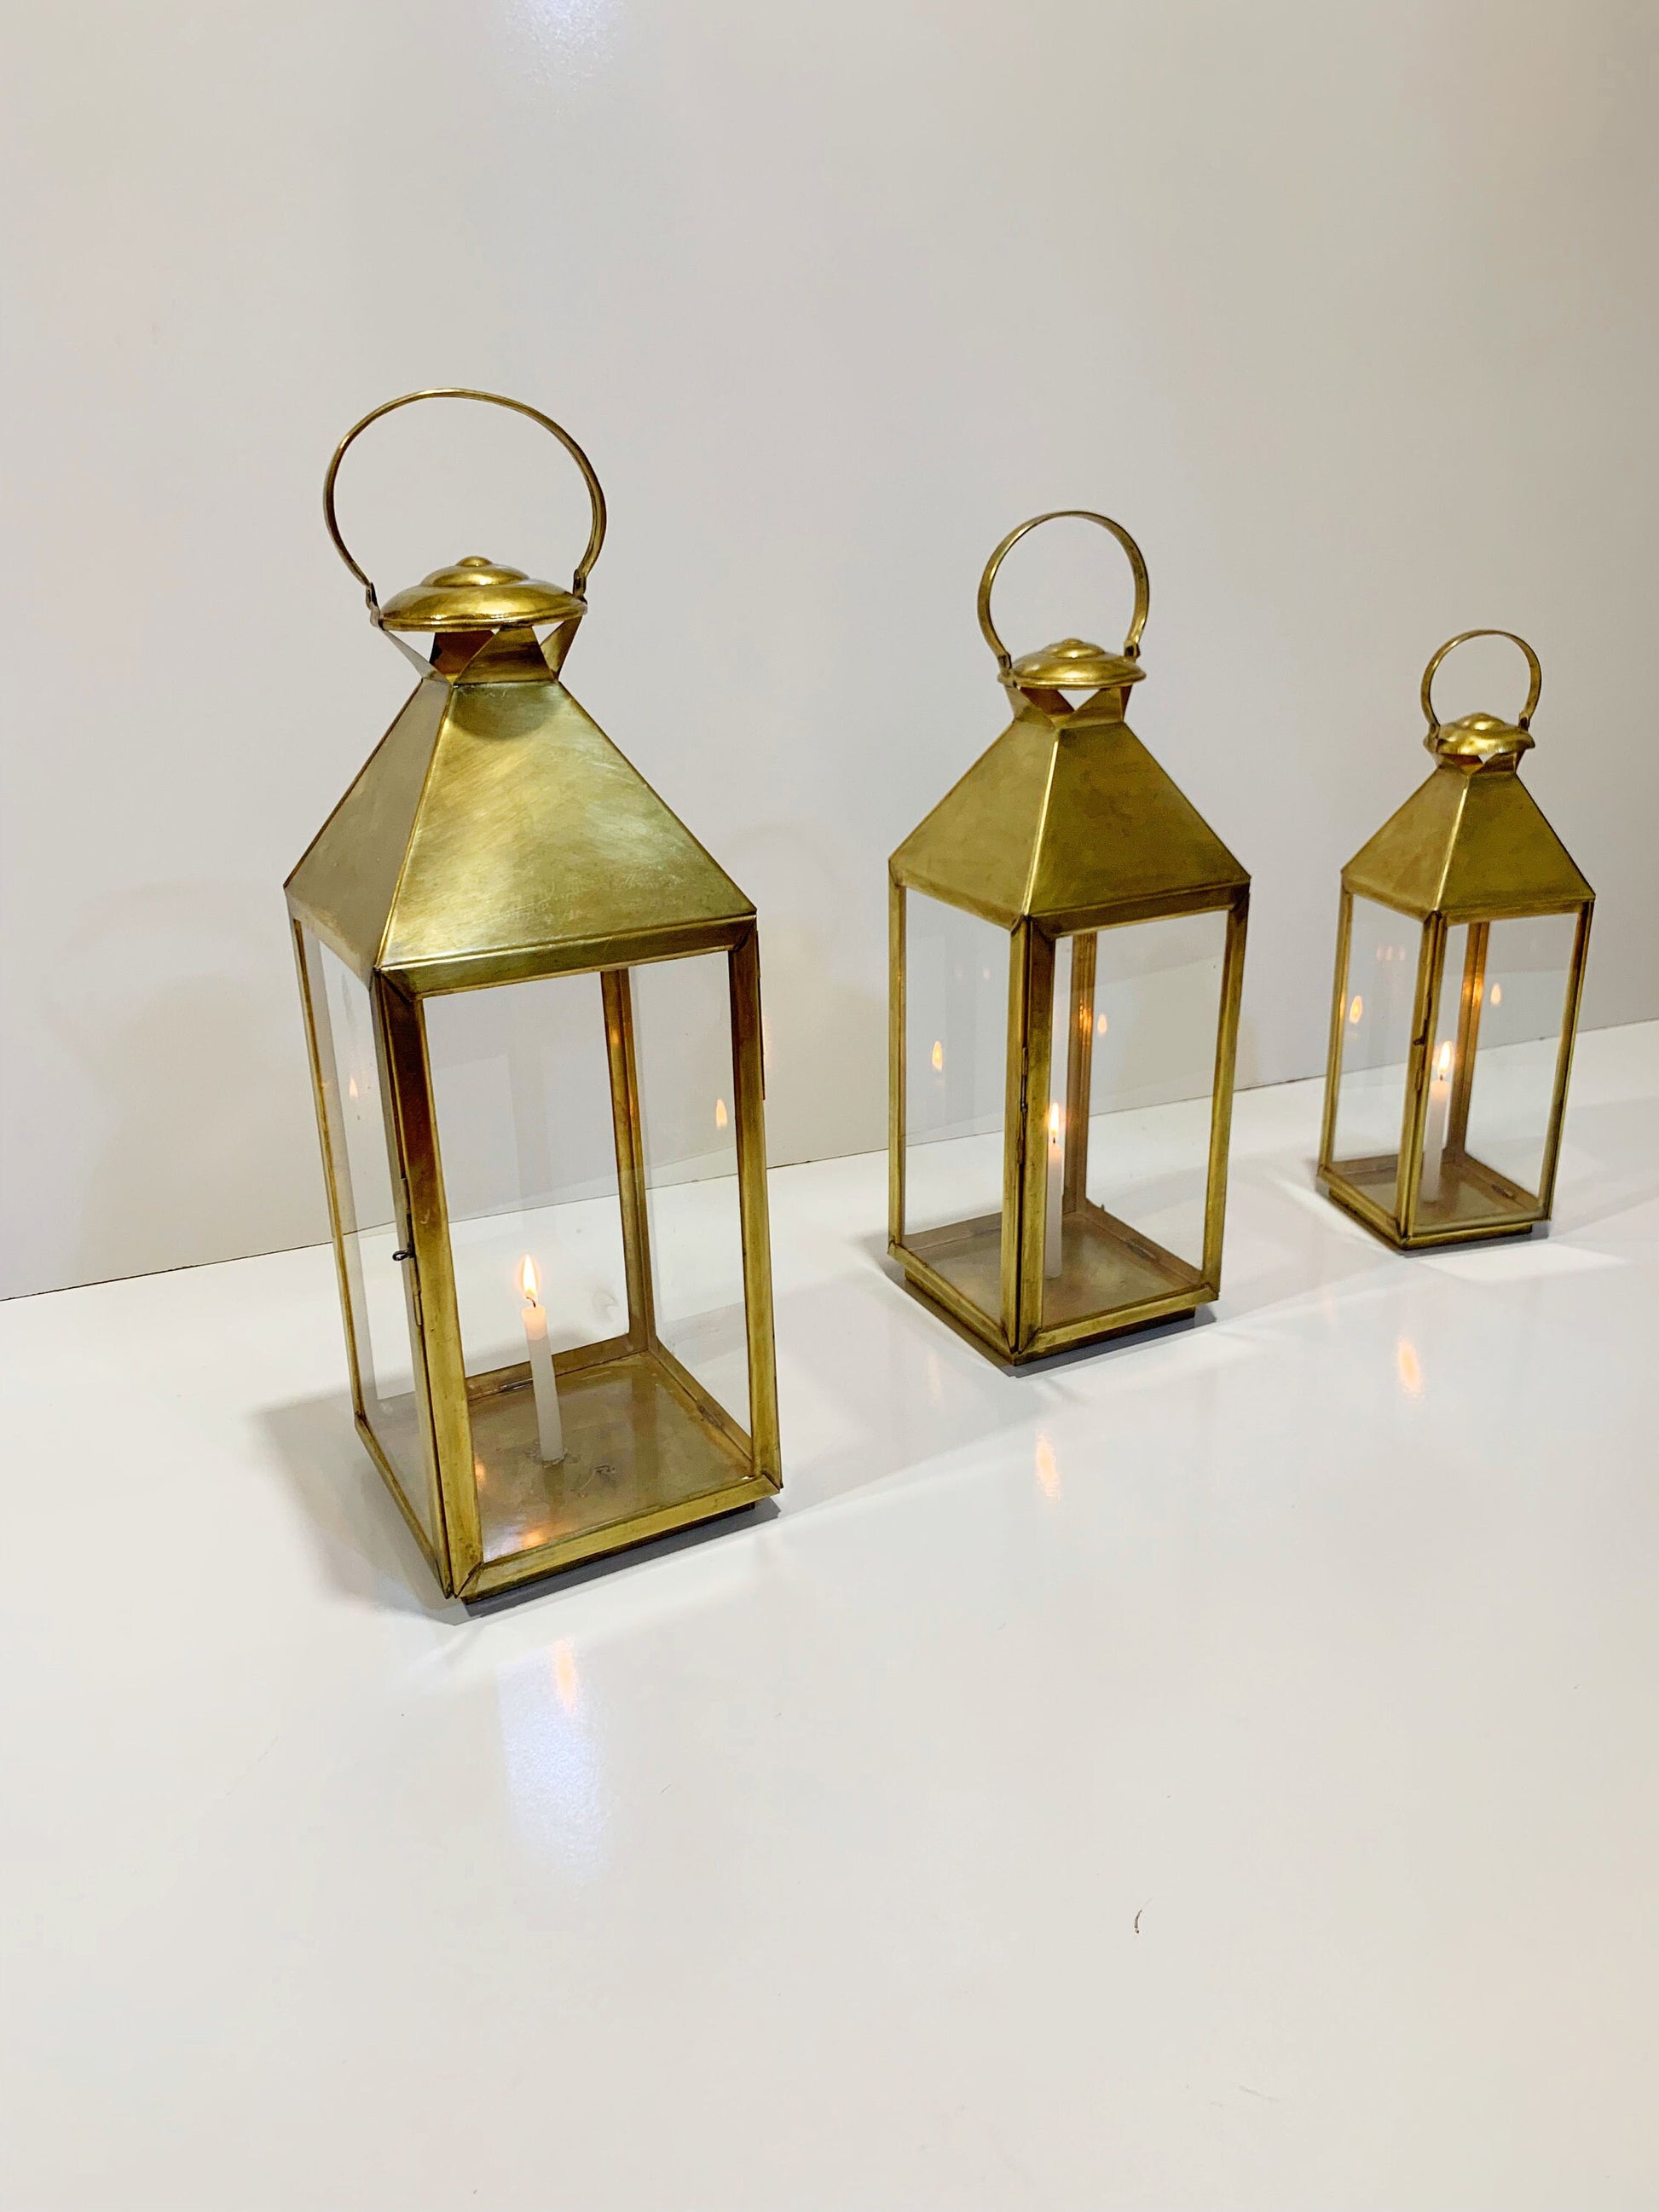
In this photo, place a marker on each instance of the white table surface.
(1215, 1772)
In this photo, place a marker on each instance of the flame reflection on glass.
(938, 1054)
(719, 1113)
(1356, 1010)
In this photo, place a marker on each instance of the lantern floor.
(1473, 1197)
(634, 1449)
(1207, 1771)
(1106, 1269)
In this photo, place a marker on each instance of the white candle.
(1051, 1253)
(549, 1429)
(1434, 1135)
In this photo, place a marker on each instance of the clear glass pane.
(1497, 1043)
(376, 1292)
(1378, 997)
(956, 1047)
(688, 1111)
(576, 1422)
(1136, 1019)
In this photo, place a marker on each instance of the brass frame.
(1116, 846)
(1441, 864)
(394, 888)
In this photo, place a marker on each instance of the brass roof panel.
(1468, 842)
(1055, 820)
(495, 827)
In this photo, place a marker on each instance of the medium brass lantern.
(1068, 955)
(533, 1007)
(1460, 964)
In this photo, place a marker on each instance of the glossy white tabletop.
(1213, 1772)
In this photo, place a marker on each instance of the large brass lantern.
(1067, 954)
(1459, 962)
(534, 1005)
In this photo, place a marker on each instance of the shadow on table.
(367, 1551)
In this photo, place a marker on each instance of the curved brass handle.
(595, 497)
(1143, 587)
(1462, 638)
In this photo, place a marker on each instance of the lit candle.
(549, 1429)
(1056, 1170)
(1434, 1136)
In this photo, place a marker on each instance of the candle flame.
(1443, 1060)
(1497, 994)
(1054, 1119)
(719, 1113)
(938, 1052)
(528, 1282)
(1356, 1010)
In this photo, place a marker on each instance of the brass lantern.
(1460, 964)
(533, 1007)
(1067, 954)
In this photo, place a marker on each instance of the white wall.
(1346, 310)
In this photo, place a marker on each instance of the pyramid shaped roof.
(1067, 816)
(496, 832)
(1470, 842)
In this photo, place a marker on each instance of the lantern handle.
(595, 497)
(1143, 587)
(1533, 688)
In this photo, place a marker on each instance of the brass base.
(644, 1455)
(1113, 1279)
(1474, 1203)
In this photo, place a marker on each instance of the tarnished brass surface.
(495, 836)
(1470, 846)
(1065, 826)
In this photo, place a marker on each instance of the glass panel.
(956, 1046)
(576, 1424)
(1379, 995)
(376, 1292)
(1496, 1042)
(1137, 1018)
(688, 1111)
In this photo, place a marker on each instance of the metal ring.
(1143, 587)
(595, 497)
(1462, 638)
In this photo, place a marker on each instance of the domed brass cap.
(1073, 665)
(479, 594)
(1479, 741)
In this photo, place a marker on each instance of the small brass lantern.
(1460, 964)
(1068, 955)
(533, 1008)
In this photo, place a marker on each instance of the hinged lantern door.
(588, 1278)
(369, 1207)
